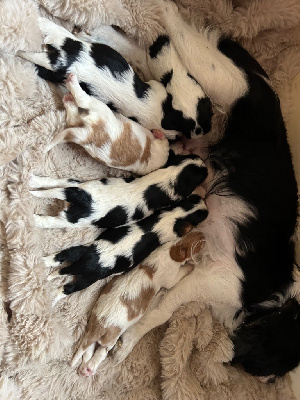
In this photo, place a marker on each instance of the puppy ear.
(187, 246)
(178, 253)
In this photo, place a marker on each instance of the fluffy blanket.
(184, 359)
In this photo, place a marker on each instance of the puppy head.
(187, 246)
(269, 346)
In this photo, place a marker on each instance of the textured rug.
(187, 357)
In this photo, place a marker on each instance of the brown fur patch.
(126, 149)
(97, 332)
(147, 151)
(98, 135)
(107, 288)
(187, 246)
(138, 305)
(69, 135)
(148, 270)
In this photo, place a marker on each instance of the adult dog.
(246, 268)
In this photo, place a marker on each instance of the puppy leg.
(53, 33)
(89, 367)
(38, 182)
(82, 99)
(157, 314)
(36, 58)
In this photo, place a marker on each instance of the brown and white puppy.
(110, 137)
(124, 300)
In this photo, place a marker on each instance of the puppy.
(248, 259)
(118, 250)
(125, 298)
(105, 74)
(111, 202)
(110, 137)
(193, 110)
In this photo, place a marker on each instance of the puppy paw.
(85, 370)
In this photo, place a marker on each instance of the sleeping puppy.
(161, 60)
(109, 137)
(111, 202)
(117, 250)
(249, 254)
(123, 301)
(105, 74)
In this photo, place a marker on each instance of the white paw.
(52, 33)
(58, 295)
(50, 262)
(85, 370)
(35, 182)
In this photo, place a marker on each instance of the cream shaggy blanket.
(184, 359)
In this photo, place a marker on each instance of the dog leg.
(88, 368)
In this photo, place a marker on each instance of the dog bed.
(187, 358)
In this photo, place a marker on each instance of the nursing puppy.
(105, 74)
(161, 60)
(249, 255)
(111, 202)
(123, 301)
(110, 137)
(120, 249)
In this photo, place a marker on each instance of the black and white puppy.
(117, 250)
(248, 261)
(105, 74)
(193, 109)
(111, 202)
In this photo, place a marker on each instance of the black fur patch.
(53, 54)
(156, 198)
(115, 217)
(141, 88)
(177, 159)
(133, 119)
(174, 119)
(82, 282)
(129, 179)
(156, 47)
(148, 243)
(188, 203)
(166, 78)
(122, 264)
(138, 214)
(204, 114)
(189, 178)
(114, 235)
(57, 76)
(104, 181)
(192, 219)
(240, 56)
(81, 204)
(270, 345)
(72, 49)
(106, 57)
(112, 106)
(86, 87)
(86, 264)
(71, 254)
(148, 223)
